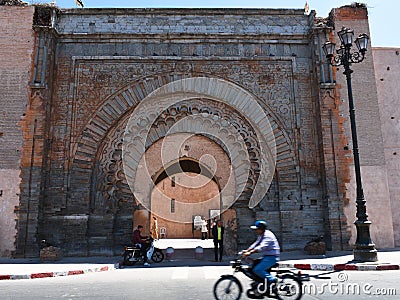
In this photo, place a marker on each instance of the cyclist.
(268, 246)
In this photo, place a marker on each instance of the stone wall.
(16, 42)
(91, 69)
(154, 22)
(108, 61)
(370, 140)
(387, 75)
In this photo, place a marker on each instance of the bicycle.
(288, 286)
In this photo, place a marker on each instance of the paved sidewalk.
(33, 268)
(339, 261)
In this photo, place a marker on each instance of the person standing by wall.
(204, 230)
(154, 228)
(218, 238)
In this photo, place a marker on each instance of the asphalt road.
(191, 283)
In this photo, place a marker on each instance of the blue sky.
(383, 14)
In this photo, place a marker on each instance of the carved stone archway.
(117, 107)
(107, 144)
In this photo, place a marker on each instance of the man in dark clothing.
(218, 238)
(142, 242)
(137, 236)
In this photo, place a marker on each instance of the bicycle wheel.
(228, 288)
(288, 287)
(158, 256)
(128, 261)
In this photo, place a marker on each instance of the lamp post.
(364, 247)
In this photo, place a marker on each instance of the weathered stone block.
(315, 248)
(51, 253)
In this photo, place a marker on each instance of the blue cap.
(259, 224)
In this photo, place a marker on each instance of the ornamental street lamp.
(364, 248)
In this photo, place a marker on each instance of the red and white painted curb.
(108, 267)
(315, 267)
(341, 267)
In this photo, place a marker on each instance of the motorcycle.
(133, 254)
(288, 286)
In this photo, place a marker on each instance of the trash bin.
(169, 253)
(198, 252)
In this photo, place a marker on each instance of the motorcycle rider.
(268, 245)
(142, 242)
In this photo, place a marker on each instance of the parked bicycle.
(134, 254)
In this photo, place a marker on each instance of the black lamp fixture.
(364, 249)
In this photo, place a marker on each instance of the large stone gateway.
(255, 73)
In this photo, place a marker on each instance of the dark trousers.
(143, 250)
(218, 244)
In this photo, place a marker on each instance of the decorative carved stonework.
(110, 188)
(270, 81)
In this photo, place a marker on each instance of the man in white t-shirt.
(204, 230)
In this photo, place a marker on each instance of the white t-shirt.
(204, 226)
